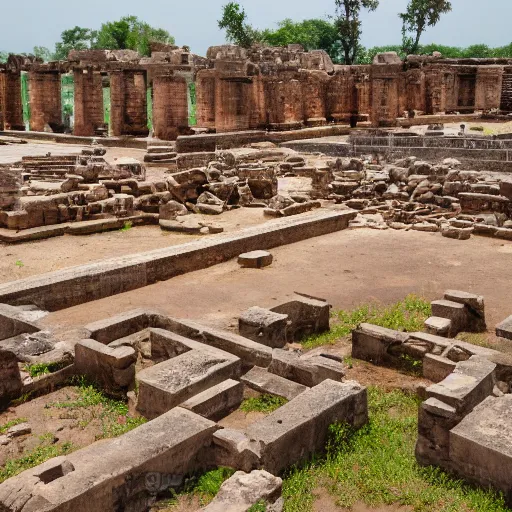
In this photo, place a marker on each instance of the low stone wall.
(76, 285)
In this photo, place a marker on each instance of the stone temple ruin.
(311, 153)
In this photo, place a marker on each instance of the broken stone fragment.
(255, 259)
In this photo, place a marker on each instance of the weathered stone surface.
(480, 447)
(264, 326)
(453, 311)
(504, 329)
(10, 378)
(306, 371)
(263, 381)
(111, 368)
(255, 259)
(437, 368)
(218, 401)
(240, 492)
(475, 305)
(133, 468)
(371, 343)
(170, 383)
(300, 427)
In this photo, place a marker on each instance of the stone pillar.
(170, 106)
(284, 103)
(233, 103)
(205, 98)
(415, 90)
(364, 91)
(128, 103)
(385, 91)
(10, 100)
(435, 99)
(489, 81)
(88, 109)
(314, 91)
(45, 101)
(341, 96)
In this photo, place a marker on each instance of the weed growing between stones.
(127, 226)
(376, 465)
(112, 413)
(264, 403)
(38, 369)
(47, 449)
(407, 315)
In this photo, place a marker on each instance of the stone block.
(469, 384)
(243, 490)
(301, 427)
(306, 315)
(170, 383)
(218, 401)
(475, 306)
(438, 326)
(264, 326)
(504, 329)
(263, 381)
(110, 329)
(255, 259)
(437, 368)
(306, 371)
(10, 378)
(480, 448)
(372, 343)
(453, 311)
(111, 368)
(232, 448)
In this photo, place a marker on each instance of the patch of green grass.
(47, 449)
(127, 226)
(376, 465)
(6, 426)
(258, 507)
(474, 338)
(38, 369)
(477, 128)
(19, 263)
(113, 413)
(407, 315)
(264, 403)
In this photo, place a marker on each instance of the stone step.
(438, 326)
(263, 381)
(453, 311)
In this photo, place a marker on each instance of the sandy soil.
(23, 260)
(347, 268)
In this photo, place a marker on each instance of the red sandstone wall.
(13, 109)
(205, 98)
(170, 106)
(489, 82)
(233, 103)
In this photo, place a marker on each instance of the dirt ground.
(18, 261)
(347, 268)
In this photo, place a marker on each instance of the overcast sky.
(26, 23)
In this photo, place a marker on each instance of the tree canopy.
(349, 25)
(238, 30)
(77, 38)
(419, 15)
(314, 34)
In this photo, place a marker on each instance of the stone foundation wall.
(10, 184)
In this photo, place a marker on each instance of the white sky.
(26, 23)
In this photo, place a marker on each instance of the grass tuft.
(264, 403)
(127, 226)
(407, 315)
(6, 426)
(38, 369)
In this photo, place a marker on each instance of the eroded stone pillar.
(233, 103)
(385, 94)
(10, 100)
(489, 82)
(205, 98)
(45, 101)
(435, 99)
(415, 90)
(170, 106)
(88, 109)
(314, 90)
(341, 96)
(284, 103)
(128, 103)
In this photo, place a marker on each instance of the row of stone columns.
(128, 102)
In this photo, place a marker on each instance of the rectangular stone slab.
(168, 384)
(76, 285)
(263, 381)
(480, 446)
(504, 329)
(301, 427)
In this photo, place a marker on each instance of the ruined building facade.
(239, 89)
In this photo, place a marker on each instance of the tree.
(130, 33)
(43, 53)
(349, 25)
(314, 34)
(238, 31)
(77, 38)
(3, 57)
(419, 15)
